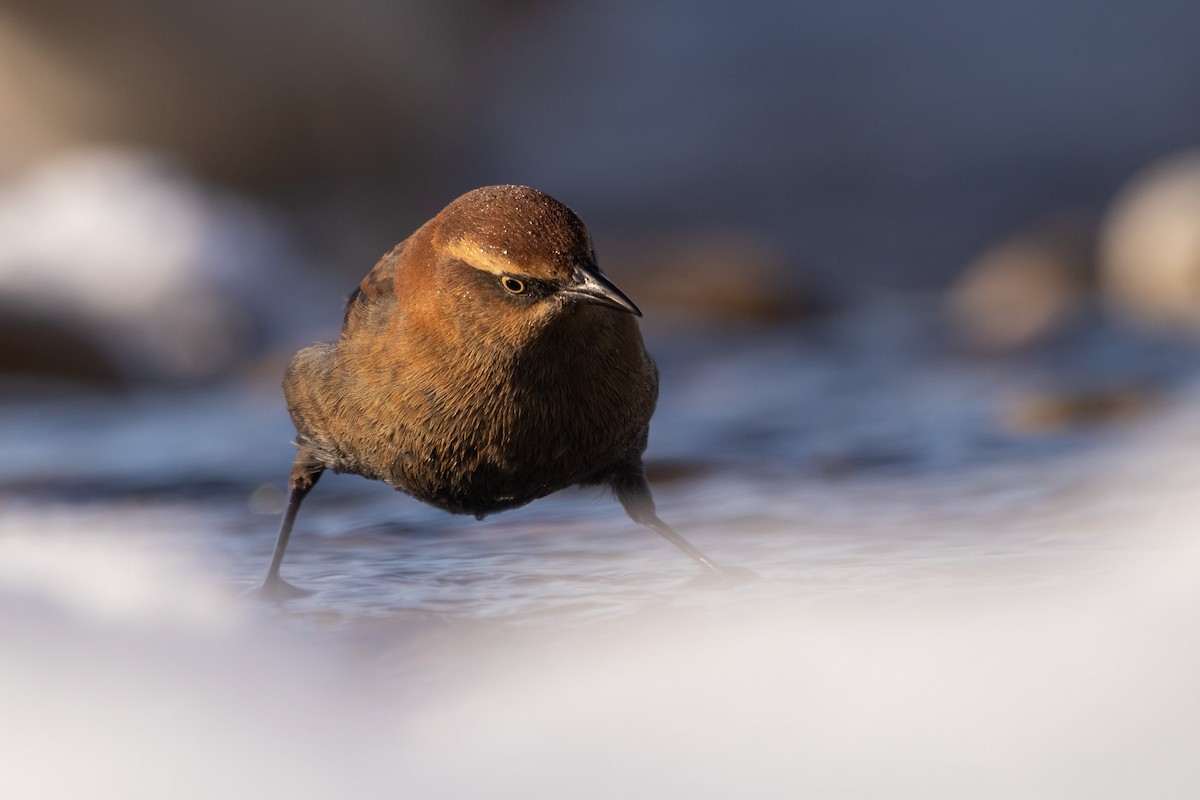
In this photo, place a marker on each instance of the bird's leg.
(633, 491)
(305, 474)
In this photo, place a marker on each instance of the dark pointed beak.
(590, 286)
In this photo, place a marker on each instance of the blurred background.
(184, 188)
(922, 278)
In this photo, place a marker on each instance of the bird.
(484, 362)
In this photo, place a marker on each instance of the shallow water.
(861, 455)
(949, 602)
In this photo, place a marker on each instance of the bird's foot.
(740, 575)
(715, 577)
(276, 590)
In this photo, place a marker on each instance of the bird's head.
(516, 258)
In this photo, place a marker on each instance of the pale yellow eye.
(512, 285)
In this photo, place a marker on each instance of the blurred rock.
(123, 256)
(1150, 247)
(710, 277)
(1023, 289)
(1049, 412)
(42, 348)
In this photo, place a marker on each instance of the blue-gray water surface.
(849, 456)
(975, 577)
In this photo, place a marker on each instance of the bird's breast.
(485, 431)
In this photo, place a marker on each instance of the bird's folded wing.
(379, 284)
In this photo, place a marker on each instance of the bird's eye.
(512, 285)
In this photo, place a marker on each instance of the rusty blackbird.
(484, 362)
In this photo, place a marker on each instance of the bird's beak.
(590, 286)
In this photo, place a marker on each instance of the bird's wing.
(378, 285)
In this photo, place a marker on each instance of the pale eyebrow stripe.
(479, 258)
